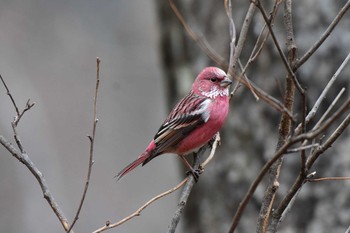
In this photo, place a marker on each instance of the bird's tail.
(133, 165)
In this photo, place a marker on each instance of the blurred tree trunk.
(250, 135)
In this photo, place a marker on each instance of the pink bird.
(193, 122)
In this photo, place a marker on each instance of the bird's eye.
(213, 80)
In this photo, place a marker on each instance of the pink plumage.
(193, 122)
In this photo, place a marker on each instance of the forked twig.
(23, 157)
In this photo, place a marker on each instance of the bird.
(193, 122)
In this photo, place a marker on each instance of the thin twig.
(138, 212)
(334, 136)
(330, 108)
(26, 108)
(301, 148)
(314, 109)
(328, 179)
(243, 34)
(92, 140)
(213, 150)
(324, 36)
(257, 50)
(11, 97)
(270, 100)
(234, 56)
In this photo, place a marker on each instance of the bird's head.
(211, 82)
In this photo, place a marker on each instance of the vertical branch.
(285, 124)
(92, 140)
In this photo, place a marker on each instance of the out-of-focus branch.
(23, 157)
(283, 57)
(328, 179)
(283, 149)
(287, 202)
(232, 29)
(92, 140)
(200, 40)
(324, 36)
(236, 52)
(314, 109)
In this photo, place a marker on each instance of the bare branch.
(314, 109)
(213, 150)
(24, 158)
(324, 36)
(243, 34)
(92, 140)
(331, 106)
(328, 179)
(294, 150)
(273, 102)
(138, 212)
(328, 143)
(9, 94)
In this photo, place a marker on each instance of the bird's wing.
(187, 115)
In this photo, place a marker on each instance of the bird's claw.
(195, 173)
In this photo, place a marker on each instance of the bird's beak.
(225, 82)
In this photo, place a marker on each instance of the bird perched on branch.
(193, 122)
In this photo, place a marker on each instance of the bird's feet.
(195, 173)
